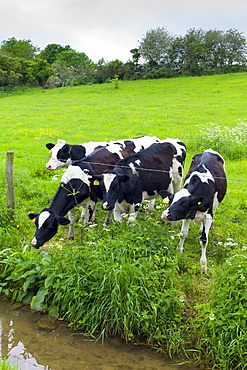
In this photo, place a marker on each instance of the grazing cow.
(204, 188)
(77, 188)
(63, 154)
(143, 176)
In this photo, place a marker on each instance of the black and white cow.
(143, 176)
(73, 190)
(77, 188)
(62, 154)
(204, 188)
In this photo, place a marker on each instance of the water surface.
(35, 342)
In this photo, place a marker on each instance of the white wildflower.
(211, 316)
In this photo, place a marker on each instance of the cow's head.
(60, 155)
(111, 184)
(183, 205)
(73, 190)
(46, 226)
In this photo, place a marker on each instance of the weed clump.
(230, 142)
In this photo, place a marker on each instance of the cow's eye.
(183, 203)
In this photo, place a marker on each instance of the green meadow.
(123, 279)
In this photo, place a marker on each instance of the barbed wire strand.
(125, 167)
(149, 170)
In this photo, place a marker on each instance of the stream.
(35, 342)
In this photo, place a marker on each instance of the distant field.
(165, 108)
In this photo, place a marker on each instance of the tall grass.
(222, 320)
(5, 365)
(129, 288)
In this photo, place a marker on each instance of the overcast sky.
(109, 29)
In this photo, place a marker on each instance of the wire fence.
(48, 196)
(126, 167)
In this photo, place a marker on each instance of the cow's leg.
(94, 215)
(133, 212)
(71, 216)
(89, 207)
(207, 222)
(108, 216)
(183, 233)
(83, 213)
(117, 213)
(90, 212)
(151, 203)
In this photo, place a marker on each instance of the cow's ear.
(95, 179)
(165, 193)
(32, 216)
(193, 184)
(67, 147)
(49, 145)
(63, 221)
(200, 203)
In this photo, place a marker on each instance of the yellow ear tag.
(166, 200)
(199, 203)
(33, 220)
(96, 182)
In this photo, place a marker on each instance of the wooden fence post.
(10, 183)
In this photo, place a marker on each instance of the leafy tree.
(42, 71)
(214, 49)
(51, 52)
(136, 55)
(19, 71)
(74, 60)
(19, 48)
(9, 71)
(194, 51)
(79, 63)
(105, 71)
(63, 75)
(235, 47)
(177, 55)
(155, 46)
(115, 67)
(133, 68)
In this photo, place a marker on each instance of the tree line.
(158, 55)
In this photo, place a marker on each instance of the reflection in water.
(35, 342)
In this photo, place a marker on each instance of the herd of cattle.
(122, 175)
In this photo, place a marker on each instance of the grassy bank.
(130, 280)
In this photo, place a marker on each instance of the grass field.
(203, 112)
(166, 107)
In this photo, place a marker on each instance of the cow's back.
(215, 164)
